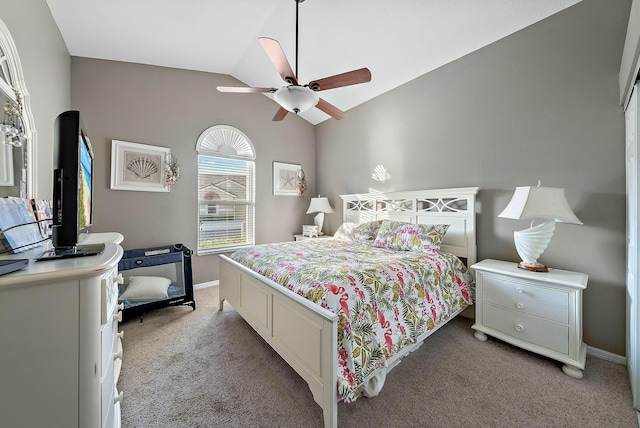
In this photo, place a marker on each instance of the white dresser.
(60, 351)
(537, 311)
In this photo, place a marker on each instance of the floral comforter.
(384, 299)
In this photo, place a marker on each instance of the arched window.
(226, 190)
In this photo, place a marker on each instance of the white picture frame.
(138, 167)
(285, 179)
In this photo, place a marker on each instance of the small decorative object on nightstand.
(302, 237)
(541, 313)
(310, 231)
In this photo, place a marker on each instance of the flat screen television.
(73, 172)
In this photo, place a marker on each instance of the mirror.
(17, 133)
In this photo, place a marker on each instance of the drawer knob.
(519, 327)
(120, 306)
(117, 355)
(118, 398)
(519, 305)
(519, 290)
(121, 334)
(118, 279)
(117, 316)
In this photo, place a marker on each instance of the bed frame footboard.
(304, 334)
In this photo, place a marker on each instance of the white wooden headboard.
(455, 207)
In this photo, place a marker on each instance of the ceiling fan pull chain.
(297, 5)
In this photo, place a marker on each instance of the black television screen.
(73, 174)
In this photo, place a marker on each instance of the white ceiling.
(398, 40)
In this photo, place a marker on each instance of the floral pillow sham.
(345, 231)
(402, 236)
(364, 232)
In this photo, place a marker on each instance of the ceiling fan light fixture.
(296, 99)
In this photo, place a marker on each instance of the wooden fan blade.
(354, 77)
(280, 114)
(243, 90)
(278, 58)
(330, 109)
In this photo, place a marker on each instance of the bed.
(306, 323)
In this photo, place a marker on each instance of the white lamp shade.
(548, 203)
(296, 99)
(319, 205)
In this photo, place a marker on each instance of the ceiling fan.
(294, 97)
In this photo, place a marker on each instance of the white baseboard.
(606, 355)
(206, 284)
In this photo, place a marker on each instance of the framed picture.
(138, 167)
(285, 179)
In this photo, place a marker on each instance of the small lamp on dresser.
(321, 206)
(536, 202)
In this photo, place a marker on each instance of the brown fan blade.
(278, 58)
(330, 109)
(354, 77)
(280, 114)
(246, 90)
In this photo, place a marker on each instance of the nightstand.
(301, 237)
(537, 311)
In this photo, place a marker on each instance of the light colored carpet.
(205, 368)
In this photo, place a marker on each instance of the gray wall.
(46, 66)
(540, 104)
(170, 108)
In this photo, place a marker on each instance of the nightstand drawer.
(521, 303)
(517, 289)
(527, 328)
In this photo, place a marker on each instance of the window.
(226, 190)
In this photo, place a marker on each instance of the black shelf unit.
(170, 261)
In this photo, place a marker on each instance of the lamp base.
(533, 267)
(318, 220)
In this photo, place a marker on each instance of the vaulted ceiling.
(397, 40)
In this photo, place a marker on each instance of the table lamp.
(319, 205)
(536, 202)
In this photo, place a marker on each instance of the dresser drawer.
(109, 298)
(117, 363)
(109, 342)
(526, 297)
(527, 328)
(109, 418)
(113, 417)
(108, 388)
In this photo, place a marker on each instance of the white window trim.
(224, 141)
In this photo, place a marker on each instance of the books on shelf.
(24, 223)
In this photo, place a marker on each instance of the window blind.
(226, 203)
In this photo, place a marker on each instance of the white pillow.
(146, 288)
